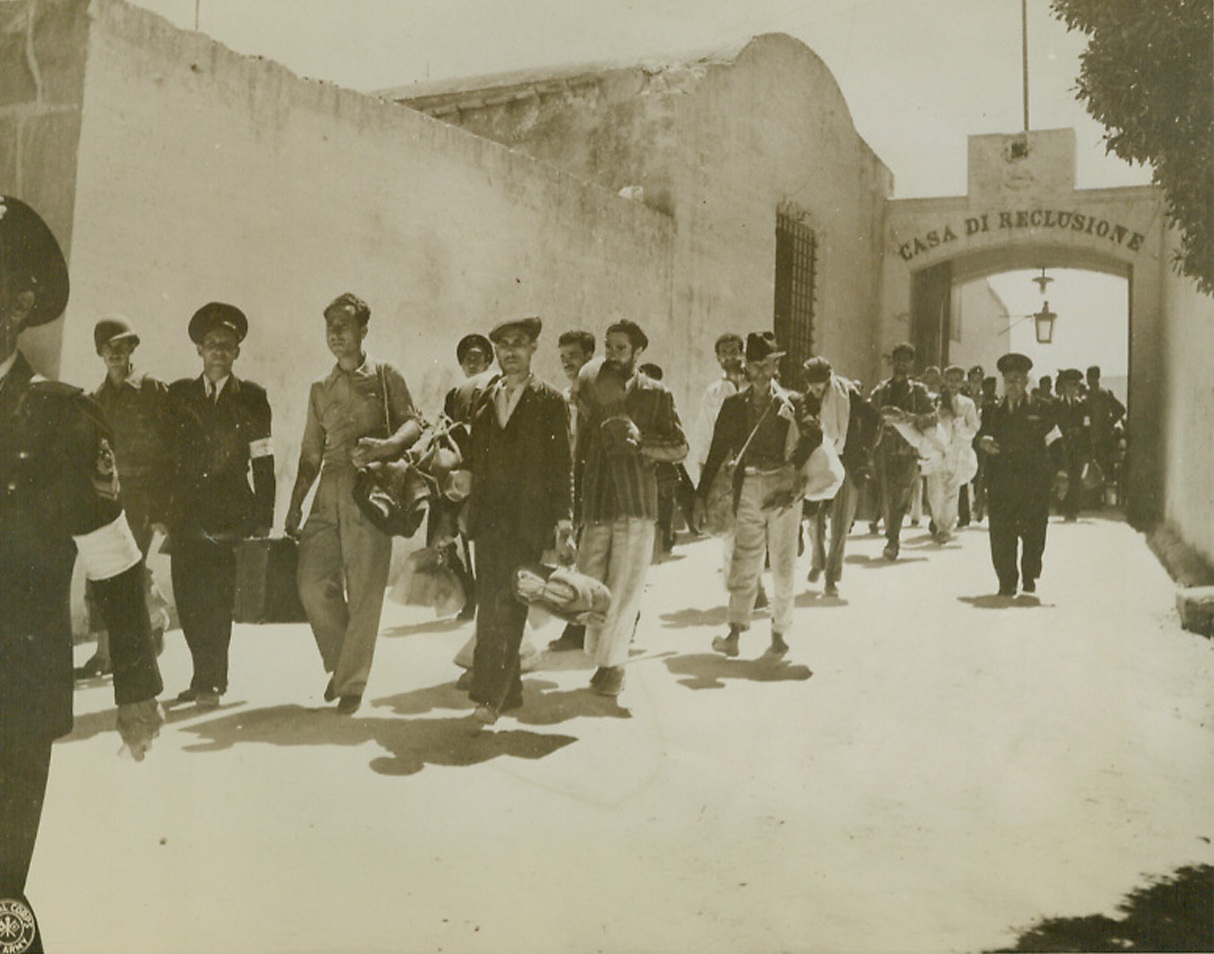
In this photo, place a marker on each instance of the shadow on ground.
(427, 626)
(716, 616)
(93, 724)
(995, 601)
(877, 563)
(817, 598)
(411, 744)
(541, 704)
(1173, 913)
(710, 670)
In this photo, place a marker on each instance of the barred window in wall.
(794, 305)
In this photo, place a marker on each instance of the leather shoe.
(330, 692)
(568, 641)
(187, 695)
(890, 552)
(778, 646)
(94, 667)
(1007, 591)
(1029, 586)
(815, 574)
(486, 715)
(727, 645)
(348, 705)
(207, 699)
(597, 677)
(832, 589)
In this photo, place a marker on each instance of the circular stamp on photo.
(17, 926)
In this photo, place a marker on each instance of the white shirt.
(214, 388)
(506, 398)
(706, 421)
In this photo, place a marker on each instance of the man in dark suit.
(1024, 461)
(521, 503)
(221, 431)
(1072, 421)
(60, 500)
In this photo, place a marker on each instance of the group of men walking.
(571, 475)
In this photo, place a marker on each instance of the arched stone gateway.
(1022, 211)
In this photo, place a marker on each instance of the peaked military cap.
(217, 314)
(31, 260)
(1014, 361)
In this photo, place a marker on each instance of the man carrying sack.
(765, 429)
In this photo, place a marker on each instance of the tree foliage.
(1148, 76)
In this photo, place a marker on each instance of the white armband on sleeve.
(108, 550)
(261, 448)
(1053, 435)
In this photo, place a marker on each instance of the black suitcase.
(266, 591)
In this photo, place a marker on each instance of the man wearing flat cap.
(136, 406)
(1072, 411)
(628, 424)
(1024, 458)
(903, 402)
(221, 433)
(767, 431)
(60, 501)
(521, 504)
(358, 413)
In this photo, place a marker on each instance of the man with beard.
(630, 424)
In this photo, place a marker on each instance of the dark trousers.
(24, 764)
(500, 620)
(204, 583)
(963, 506)
(1020, 525)
(899, 474)
(1072, 503)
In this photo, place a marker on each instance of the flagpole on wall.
(1024, 57)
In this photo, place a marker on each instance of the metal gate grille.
(794, 305)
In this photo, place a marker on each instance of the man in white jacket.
(959, 421)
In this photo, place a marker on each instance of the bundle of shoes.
(564, 592)
(395, 495)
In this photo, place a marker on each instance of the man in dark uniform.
(1071, 410)
(1104, 414)
(58, 498)
(1023, 448)
(221, 431)
(521, 503)
(901, 400)
(136, 407)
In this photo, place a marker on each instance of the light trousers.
(944, 498)
(758, 532)
(617, 553)
(343, 571)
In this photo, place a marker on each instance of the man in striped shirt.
(630, 423)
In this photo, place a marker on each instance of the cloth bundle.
(564, 592)
(429, 579)
(393, 495)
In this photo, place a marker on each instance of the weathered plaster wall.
(719, 143)
(980, 318)
(42, 56)
(207, 175)
(1187, 333)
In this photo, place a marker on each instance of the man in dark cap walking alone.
(1024, 457)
